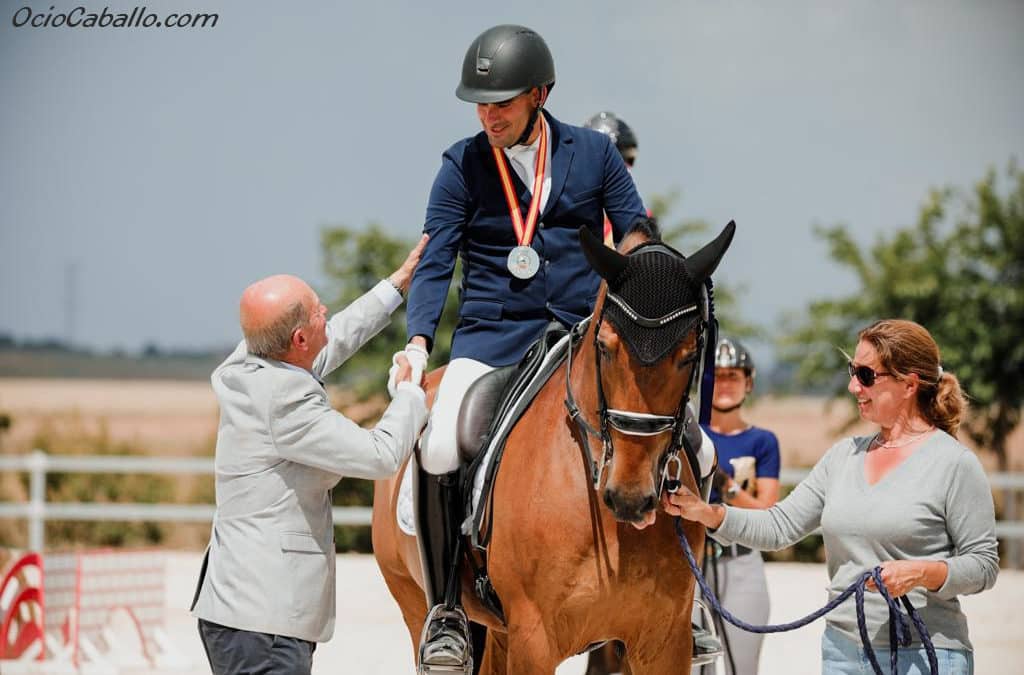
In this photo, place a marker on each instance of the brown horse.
(574, 565)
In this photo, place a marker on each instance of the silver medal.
(523, 262)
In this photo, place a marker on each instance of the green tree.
(689, 234)
(958, 271)
(354, 261)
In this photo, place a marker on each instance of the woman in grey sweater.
(909, 498)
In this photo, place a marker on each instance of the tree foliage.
(689, 234)
(959, 272)
(353, 262)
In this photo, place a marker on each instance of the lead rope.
(899, 631)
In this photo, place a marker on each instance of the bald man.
(266, 590)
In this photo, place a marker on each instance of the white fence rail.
(37, 510)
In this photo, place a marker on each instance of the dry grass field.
(180, 418)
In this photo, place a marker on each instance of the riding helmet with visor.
(504, 62)
(731, 354)
(620, 133)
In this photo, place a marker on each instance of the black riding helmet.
(615, 128)
(503, 62)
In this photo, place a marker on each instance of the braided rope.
(899, 630)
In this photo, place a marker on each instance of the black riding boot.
(445, 644)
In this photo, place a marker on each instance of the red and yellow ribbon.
(524, 230)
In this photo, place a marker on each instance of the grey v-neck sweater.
(935, 505)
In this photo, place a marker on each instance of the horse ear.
(607, 262)
(702, 264)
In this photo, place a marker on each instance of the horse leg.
(494, 659)
(530, 648)
(478, 632)
(654, 652)
(413, 604)
(606, 659)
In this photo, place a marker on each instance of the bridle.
(632, 423)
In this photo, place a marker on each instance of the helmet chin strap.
(529, 128)
(532, 121)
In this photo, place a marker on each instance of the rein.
(899, 630)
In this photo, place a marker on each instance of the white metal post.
(37, 496)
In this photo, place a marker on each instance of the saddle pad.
(404, 510)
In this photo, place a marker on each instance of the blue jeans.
(842, 656)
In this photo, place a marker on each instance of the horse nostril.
(609, 499)
(648, 504)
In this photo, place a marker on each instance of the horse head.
(651, 322)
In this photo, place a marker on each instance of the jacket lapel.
(561, 160)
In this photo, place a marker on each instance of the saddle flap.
(478, 408)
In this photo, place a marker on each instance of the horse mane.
(641, 231)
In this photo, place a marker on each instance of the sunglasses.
(864, 375)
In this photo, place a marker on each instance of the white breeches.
(439, 451)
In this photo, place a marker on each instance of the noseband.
(632, 423)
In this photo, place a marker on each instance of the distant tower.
(70, 302)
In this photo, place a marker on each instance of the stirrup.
(707, 647)
(445, 644)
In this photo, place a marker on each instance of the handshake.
(407, 368)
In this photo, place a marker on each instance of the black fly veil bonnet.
(655, 298)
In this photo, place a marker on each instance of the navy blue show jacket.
(468, 217)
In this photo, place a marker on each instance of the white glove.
(417, 357)
(393, 373)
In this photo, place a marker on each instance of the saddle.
(489, 411)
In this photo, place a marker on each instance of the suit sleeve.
(306, 430)
(447, 213)
(622, 202)
(350, 329)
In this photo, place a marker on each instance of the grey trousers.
(241, 652)
(743, 591)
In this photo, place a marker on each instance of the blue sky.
(170, 168)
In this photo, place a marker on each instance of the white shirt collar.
(522, 158)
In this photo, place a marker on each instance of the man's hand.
(407, 365)
(403, 275)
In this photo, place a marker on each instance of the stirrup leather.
(445, 645)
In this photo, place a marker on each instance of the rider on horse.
(507, 204)
(620, 133)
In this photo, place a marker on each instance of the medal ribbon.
(524, 231)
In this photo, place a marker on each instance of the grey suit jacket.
(269, 567)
